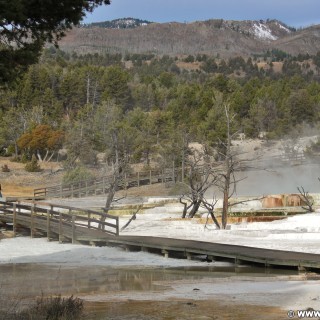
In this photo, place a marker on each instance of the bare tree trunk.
(185, 208)
(133, 217)
(195, 208)
(39, 156)
(110, 197)
(307, 199)
(115, 142)
(227, 175)
(225, 207)
(214, 219)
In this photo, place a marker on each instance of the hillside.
(304, 41)
(218, 37)
(125, 23)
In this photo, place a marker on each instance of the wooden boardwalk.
(58, 222)
(80, 226)
(101, 185)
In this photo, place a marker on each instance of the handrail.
(72, 218)
(102, 184)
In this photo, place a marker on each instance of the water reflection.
(29, 280)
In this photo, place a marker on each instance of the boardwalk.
(101, 185)
(59, 222)
(80, 226)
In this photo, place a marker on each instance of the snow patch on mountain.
(283, 27)
(262, 31)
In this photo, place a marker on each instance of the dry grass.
(277, 66)
(19, 183)
(189, 66)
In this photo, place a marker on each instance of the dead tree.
(231, 163)
(115, 182)
(306, 199)
(199, 179)
(210, 206)
(133, 217)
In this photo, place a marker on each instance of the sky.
(294, 13)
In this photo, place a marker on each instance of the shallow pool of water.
(99, 285)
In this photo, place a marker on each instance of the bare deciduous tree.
(200, 177)
(231, 163)
(306, 199)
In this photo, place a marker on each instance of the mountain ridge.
(122, 23)
(226, 38)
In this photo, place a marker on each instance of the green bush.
(25, 158)
(11, 150)
(77, 174)
(178, 189)
(33, 165)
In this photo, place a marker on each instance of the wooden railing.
(63, 221)
(101, 185)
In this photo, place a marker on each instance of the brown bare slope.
(304, 41)
(167, 38)
(226, 38)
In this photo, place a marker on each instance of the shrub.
(25, 158)
(56, 308)
(33, 165)
(51, 308)
(77, 174)
(178, 189)
(11, 150)
(5, 168)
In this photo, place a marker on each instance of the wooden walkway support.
(217, 251)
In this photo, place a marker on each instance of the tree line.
(94, 103)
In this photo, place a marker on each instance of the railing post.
(14, 220)
(117, 226)
(72, 191)
(4, 209)
(150, 177)
(86, 188)
(32, 221)
(48, 225)
(138, 179)
(89, 220)
(60, 227)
